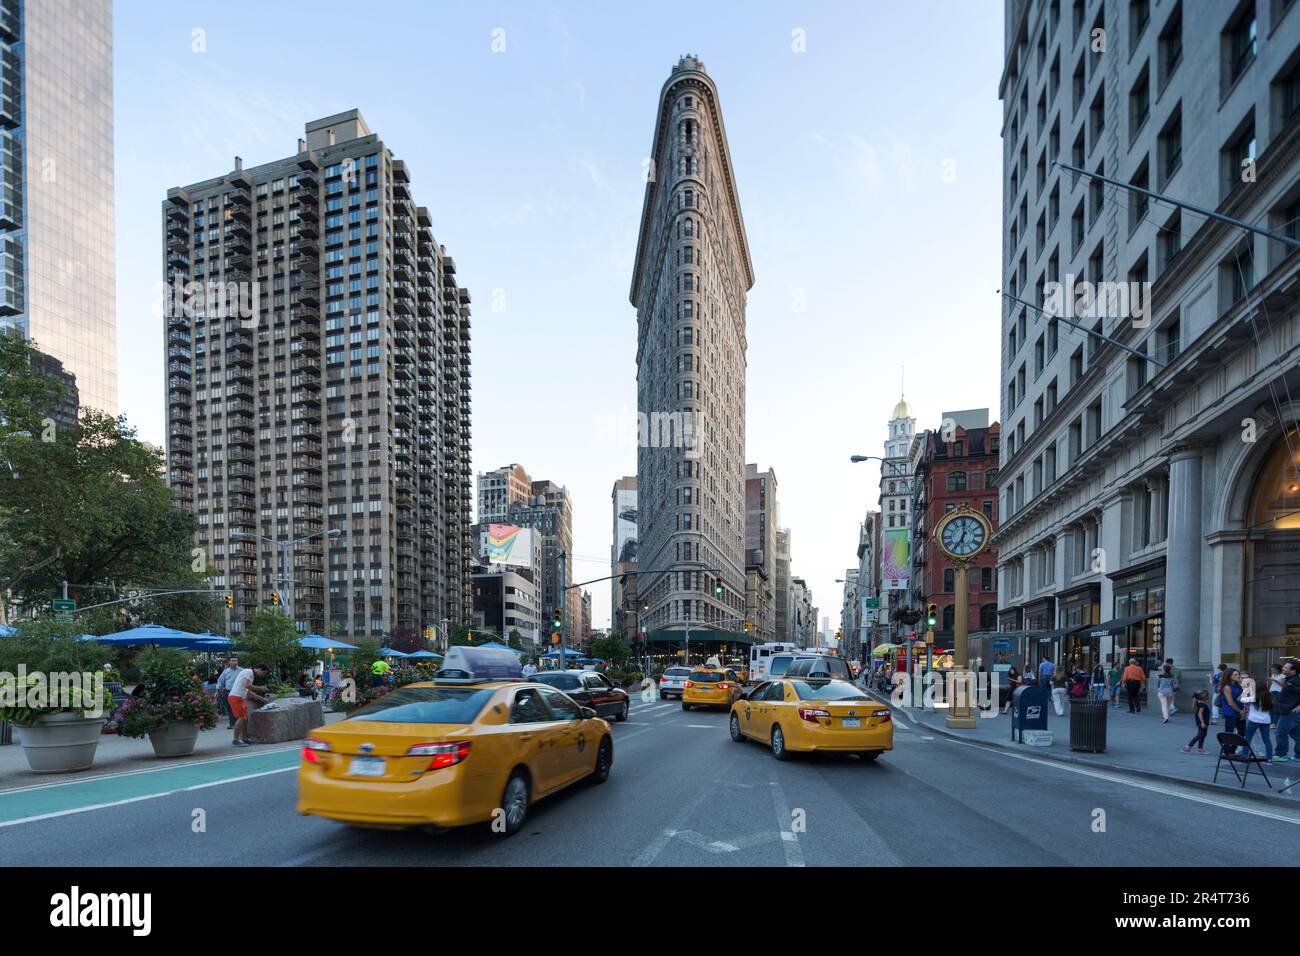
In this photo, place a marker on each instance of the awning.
(1048, 636)
(699, 635)
(1006, 635)
(1117, 626)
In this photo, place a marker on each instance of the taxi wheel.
(514, 801)
(736, 735)
(663, 696)
(622, 714)
(604, 760)
(778, 743)
(869, 755)
(685, 706)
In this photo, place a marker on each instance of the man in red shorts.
(241, 689)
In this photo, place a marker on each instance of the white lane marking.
(789, 840)
(1112, 777)
(927, 738)
(147, 796)
(706, 726)
(656, 846)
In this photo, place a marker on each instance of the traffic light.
(230, 601)
(275, 598)
(559, 618)
(717, 587)
(555, 638)
(428, 633)
(931, 615)
(749, 627)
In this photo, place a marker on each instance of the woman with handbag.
(1166, 685)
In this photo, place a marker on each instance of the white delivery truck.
(760, 660)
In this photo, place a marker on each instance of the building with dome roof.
(895, 510)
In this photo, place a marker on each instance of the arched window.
(949, 613)
(688, 227)
(956, 481)
(988, 617)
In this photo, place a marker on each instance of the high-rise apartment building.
(782, 593)
(318, 372)
(690, 280)
(56, 186)
(1149, 500)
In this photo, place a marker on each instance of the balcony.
(177, 258)
(239, 196)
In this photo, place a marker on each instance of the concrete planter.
(175, 740)
(60, 743)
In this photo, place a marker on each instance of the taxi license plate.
(852, 722)
(366, 767)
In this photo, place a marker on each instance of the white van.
(760, 659)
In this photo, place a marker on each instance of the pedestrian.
(1288, 711)
(1098, 682)
(1008, 693)
(1275, 681)
(379, 672)
(530, 670)
(1259, 715)
(1045, 671)
(1135, 679)
(1114, 679)
(1230, 700)
(1060, 687)
(1178, 680)
(242, 689)
(223, 690)
(1166, 685)
(1201, 714)
(1216, 679)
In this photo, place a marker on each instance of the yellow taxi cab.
(795, 714)
(477, 744)
(711, 687)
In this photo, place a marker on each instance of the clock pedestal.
(961, 712)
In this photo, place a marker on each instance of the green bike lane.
(42, 801)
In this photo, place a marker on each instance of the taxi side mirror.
(588, 712)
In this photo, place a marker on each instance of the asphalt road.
(682, 793)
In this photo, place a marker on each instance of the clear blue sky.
(530, 163)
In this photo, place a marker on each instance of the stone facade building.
(1149, 501)
(760, 553)
(690, 281)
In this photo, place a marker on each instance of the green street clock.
(963, 534)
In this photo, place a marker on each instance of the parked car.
(590, 689)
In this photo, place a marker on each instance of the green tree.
(270, 638)
(610, 647)
(516, 640)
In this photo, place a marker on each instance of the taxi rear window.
(676, 672)
(561, 681)
(707, 677)
(780, 664)
(827, 690)
(427, 705)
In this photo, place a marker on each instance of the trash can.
(6, 732)
(1088, 725)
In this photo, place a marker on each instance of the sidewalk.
(1138, 744)
(117, 755)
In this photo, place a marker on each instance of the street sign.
(871, 602)
(65, 604)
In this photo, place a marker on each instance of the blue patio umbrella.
(153, 634)
(424, 654)
(6, 631)
(316, 642)
(393, 652)
(498, 646)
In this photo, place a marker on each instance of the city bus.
(761, 654)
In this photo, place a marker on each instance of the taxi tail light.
(813, 714)
(444, 755)
(311, 746)
(686, 684)
(724, 686)
(884, 715)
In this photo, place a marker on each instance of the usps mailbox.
(1029, 710)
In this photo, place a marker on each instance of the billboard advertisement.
(895, 551)
(507, 544)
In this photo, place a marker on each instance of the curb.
(1272, 798)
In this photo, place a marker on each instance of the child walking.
(1201, 713)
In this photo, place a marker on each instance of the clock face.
(963, 536)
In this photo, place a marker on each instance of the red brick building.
(950, 473)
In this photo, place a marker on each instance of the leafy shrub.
(170, 696)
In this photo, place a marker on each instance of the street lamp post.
(285, 548)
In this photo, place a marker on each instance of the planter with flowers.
(56, 736)
(171, 710)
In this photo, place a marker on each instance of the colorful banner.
(895, 552)
(508, 544)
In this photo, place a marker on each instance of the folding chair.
(1228, 744)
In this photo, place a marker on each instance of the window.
(1169, 146)
(1076, 229)
(1239, 42)
(1139, 16)
(1139, 203)
(1238, 154)
(1080, 84)
(1139, 104)
(1239, 272)
(1286, 95)
(1170, 52)
(1097, 116)
(949, 613)
(1170, 341)
(956, 481)
(949, 583)
(1096, 193)
(986, 579)
(1076, 366)
(1171, 239)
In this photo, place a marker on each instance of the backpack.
(1077, 690)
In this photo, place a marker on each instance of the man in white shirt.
(530, 670)
(223, 689)
(241, 689)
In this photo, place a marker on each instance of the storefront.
(1139, 605)
(1080, 607)
(1011, 618)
